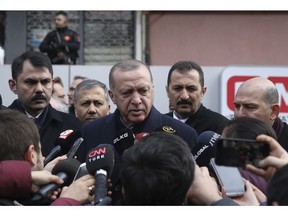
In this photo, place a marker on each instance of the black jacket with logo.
(61, 45)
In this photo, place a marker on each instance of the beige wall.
(218, 38)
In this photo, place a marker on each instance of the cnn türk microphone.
(100, 162)
(65, 170)
(204, 150)
(63, 144)
(123, 139)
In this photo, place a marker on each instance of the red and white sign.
(233, 76)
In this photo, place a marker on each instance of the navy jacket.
(51, 124)
(104, 130)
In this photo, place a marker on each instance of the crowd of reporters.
(135, 155)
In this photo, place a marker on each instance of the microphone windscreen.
(66, 140)
(68, 166)
(123, 140)
(100, 157)
(204, 150)
(139, 136)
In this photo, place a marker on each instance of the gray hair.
(89, 84)
(271, 96)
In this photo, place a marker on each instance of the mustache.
(183, 102)
(39, 97)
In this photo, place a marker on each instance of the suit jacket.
(105, 129)
(281, 129)
(206, 120)
(51, 124)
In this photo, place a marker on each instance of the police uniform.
(61, 45)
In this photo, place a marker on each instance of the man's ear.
(13, 86)
(30, 155)
(275, 112)
(111, 95)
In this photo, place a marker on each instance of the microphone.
(204, 150)
(124, 139)
(139, 136)
(64, 143)
(65, 170)
(100, 162)
(75, 147)
(82, 170)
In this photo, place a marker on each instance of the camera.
(238, 152)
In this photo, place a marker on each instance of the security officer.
(62, 44)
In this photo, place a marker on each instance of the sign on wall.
(233, 76)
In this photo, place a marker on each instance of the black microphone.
(64, 143)
(100, 162)
(204, 150)
(65, 170)
(123, 139)
(82, 170)
(71, 153)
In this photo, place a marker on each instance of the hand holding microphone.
(100, 163)
(80, 189)
(65, 170)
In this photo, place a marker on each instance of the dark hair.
(184, 67)
(157, 170)
(37, 59)
(62, 13)
(79, 77)
(277, 189)
(248, 128)
(127, 65)
(17, 133)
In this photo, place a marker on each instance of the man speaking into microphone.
(132, 91)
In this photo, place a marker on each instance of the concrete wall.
(218, 38)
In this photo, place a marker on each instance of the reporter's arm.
(278, 157)
(15, 179)
(252, 196)
(78, 193)
(204, 189)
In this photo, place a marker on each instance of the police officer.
(62, 44)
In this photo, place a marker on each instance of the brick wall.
(108, 35)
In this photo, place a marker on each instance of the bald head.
(264, 87)
(257, 98)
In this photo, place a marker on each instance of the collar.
(30, 116)
(182, 120)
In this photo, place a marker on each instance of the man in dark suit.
(1, 105)
(32, 80)
(185, 89)
(132, 90)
